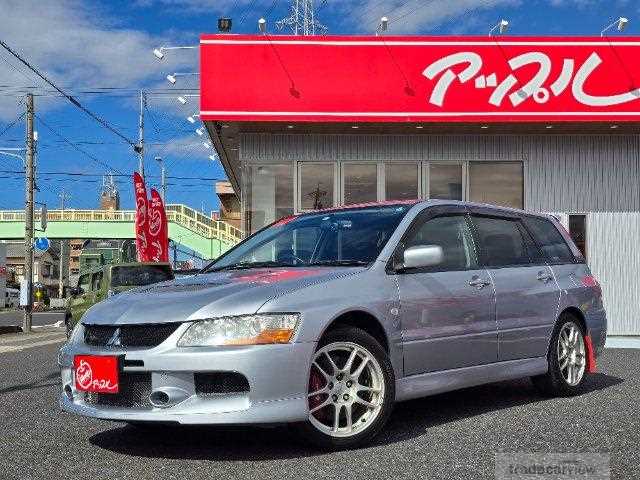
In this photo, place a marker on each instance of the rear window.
(550, 240)
(501, 241)
(139, 275)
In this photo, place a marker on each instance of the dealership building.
(546, 124)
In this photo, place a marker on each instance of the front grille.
(133, 392)
(145, 336)
(217, 383)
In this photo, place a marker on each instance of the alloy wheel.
(571, 353)
(346, 389)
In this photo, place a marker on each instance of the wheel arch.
(577, 313)
(363, 320)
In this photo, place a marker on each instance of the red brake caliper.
(316, 382)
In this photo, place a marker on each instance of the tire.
(372, 383)
(557, 382)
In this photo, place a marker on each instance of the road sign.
(42, 244)
(24, 293)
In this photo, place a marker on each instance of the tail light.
(590, 281)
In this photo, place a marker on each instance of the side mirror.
(423, 256)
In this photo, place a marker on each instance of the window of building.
(269, 196)
(497, 183)
(501, 242)
(550, 240)
(360, 183)
(578, 232)
(453, 235)
(316, 185)
(401, 181)
(445, 181)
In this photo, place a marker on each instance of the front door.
(447, 311)
(527, 295)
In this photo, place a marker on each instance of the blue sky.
(101, 52)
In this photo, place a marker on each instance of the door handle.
(544, 277)
(478, 282)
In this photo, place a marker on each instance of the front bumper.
(277, 376)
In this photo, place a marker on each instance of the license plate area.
(97, 373)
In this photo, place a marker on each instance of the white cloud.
(215, 6)
(413, 17)
(77, 45)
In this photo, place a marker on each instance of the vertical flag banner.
(142, 245)
(157, 229)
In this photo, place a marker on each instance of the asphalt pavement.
(14, 317)
(449, 436)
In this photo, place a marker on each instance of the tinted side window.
(96, 281)
(501, 242)
(453, 235)
(550, 240)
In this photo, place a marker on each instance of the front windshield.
(340, 237)
(139, 275)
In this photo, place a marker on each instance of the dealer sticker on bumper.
(96, 374)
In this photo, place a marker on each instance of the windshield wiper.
(247, 265)
(339, 263)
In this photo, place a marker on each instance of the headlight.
(76, 334)
(259, 329)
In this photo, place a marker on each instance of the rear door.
(447, 311)
(526, 292)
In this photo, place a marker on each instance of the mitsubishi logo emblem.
(114, 341)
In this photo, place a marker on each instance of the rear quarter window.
(550, 240)
(501, 242)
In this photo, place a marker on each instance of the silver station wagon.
(326, 319)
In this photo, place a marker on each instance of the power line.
(75, 147)
(71, 99)
(246, 12)
(10, 125)
(99, 175)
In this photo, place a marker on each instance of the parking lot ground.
(449, 436)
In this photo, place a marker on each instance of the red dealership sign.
(419, 79)
(157, 229)
(141, 227)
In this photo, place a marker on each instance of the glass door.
(359, 183)
(445, 181)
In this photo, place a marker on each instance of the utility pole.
(175, 255)
(60, 271)
(28, 232)
(64, 196)
(140, 149)
(163, 180)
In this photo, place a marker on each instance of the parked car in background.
(106, 281)
(326, 319)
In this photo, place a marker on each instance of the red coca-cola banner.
(158, 234)
(142, 243)
(419, 79)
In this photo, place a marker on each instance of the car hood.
(210, 295)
